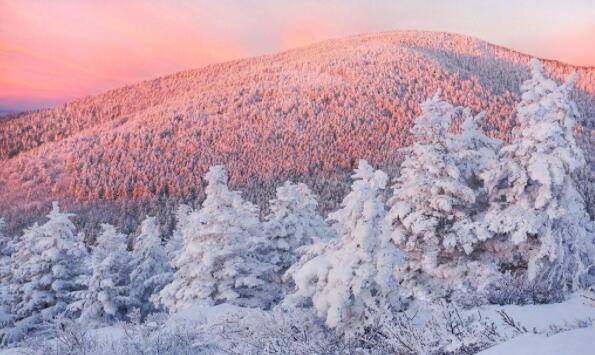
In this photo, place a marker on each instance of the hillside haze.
(307, 114)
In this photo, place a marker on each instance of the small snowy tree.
(293, 223)
(47, 268)
(176, 242)
(352, 277)
(537, 212)
(107, 298)
(6, 249)
(223, 259)
(150, 266)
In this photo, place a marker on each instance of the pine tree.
(107, 298)
(6, 249)
(351, 279)
(150, 266)
(176, 242)
(47, 268)
(473, 151)
(435, 203)
(293, 223)
(223, 255)
(537, 211)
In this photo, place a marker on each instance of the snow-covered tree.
(176, 242)
(150, 266)
(473, 151)
(47, 268)
(537, 212)
(6, 249)
(223, 255)
(435, 200)
(349, 279)
(292, 223)
(107, 298)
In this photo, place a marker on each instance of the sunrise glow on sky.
(53, 51)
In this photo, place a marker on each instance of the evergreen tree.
(47, 268)
(430, 214)
(223, 259)
(150, 266)
(6, 249)
(473, 151)
(176, 242)
(292, 223)
(107, 298)
(351, 279)
(537, 212)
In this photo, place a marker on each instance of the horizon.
(47, 63)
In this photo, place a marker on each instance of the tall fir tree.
(47, 270)
(6, 301)
(434, 196)
(107, 298)
(176, 242)
(537, 212)
(150, 267)
(350, 280)
(293, 223)
(223, 259)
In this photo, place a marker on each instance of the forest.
(308, 114)
(468, 220)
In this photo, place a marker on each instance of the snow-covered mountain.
(307, 114)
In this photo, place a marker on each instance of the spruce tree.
(150, 266)
(107, 298)
(350, 281)
(47, 270)
(434, 196)
(6, 301)
(537, 212)
(293, 223)
(223, 259)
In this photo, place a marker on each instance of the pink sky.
(53, 51)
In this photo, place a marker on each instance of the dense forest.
(307, 114)
(403, 265)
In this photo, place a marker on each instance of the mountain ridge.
(314, 111)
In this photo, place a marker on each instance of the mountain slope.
(307, 114)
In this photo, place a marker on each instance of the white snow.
(575, 342)
(538, 319)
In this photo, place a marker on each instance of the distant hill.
(306, 114)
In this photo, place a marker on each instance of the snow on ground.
(572, 333)
(541, 316)
(575, 342)
(538, 319)
(207, 314)
(535, 318)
